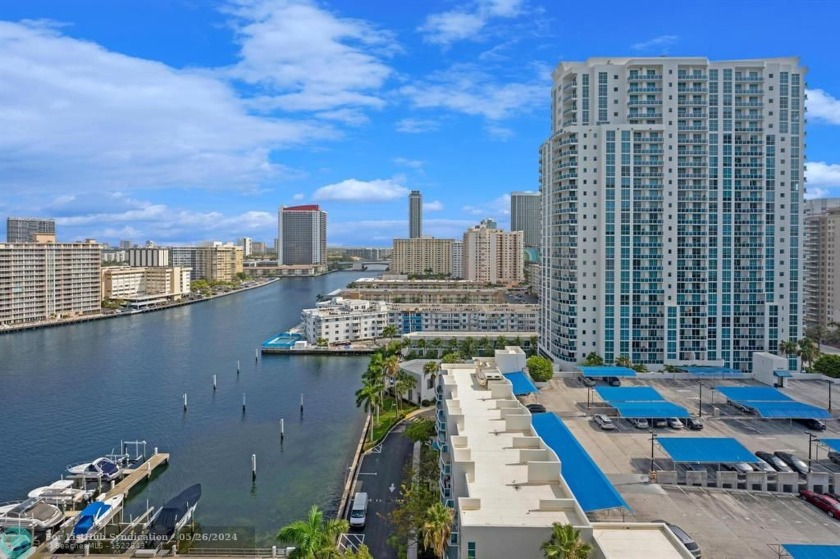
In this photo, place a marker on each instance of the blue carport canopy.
(606, 371)
(591, 487)
(782, 374)
(653, 410)
(811, 551)
(833, 444)
(522, 383)
(706, 450)
(771, 403)
(710, 371)
(628, 394)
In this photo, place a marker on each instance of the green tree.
(565, 543)
(451, 357)
(808, 351)
(623, 361)
(314, 537)
(540, 368)
(389, 331)
(403, 383)
(437, 527)
(788, 347)
(361, 553)
(431, 368)
(501, 342)
(369, 397)
(421, 429)
(671, 369)
(593, 359)
(322, 342)
(828, 365)
(639, 367)
(816, 333)
(391, 367)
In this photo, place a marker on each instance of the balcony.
(696, 77)
(742, 78)
(569, 85)
(642, 102)
(645, 90)
(643, 116)
(691, 127)
(643, 77)
(684, 89)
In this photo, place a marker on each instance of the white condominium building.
(124, 282)
(457, 259)
(671, 209)
(463, 318)
(341, 320)
(492, 255)
(144, 257)
(423, 256)
(525, 216)
(43, 281)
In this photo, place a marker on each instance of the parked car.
(681, 535)
(774, 461)
(613, 381)
(658, 422)
(763, 466)
(825, 503)
(536, 408)
(694, 423)
(587, 381)
(814, 424)
(834, 457)
(743, 407)
(675, 423)
(604, 422)
(740, 467)
(793, 461)
(638, 422)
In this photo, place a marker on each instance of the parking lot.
(726, 523)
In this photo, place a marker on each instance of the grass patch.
(388, 416)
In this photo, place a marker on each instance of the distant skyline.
(179, 121)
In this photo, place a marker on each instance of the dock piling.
(253, 466)
(243, 402)
(301, 403)
(282, 430)
(237, 366)
(256, 354)
(214, 382)
(185, 401)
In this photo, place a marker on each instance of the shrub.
(828, 365)
(540, 368)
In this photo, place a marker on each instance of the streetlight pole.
(700, 384)
(830, 382)
(588, 397)
(811, 438)
(652, 439)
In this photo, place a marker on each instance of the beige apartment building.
(822, 267)
(492, 255)
(425, 292)
(133, 283)
(422, 256)
(48, 281)
(212, 263)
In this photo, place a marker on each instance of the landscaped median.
(388, 417)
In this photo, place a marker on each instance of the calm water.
(72, 393)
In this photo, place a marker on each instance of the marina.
(103, 380)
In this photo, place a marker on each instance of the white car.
(604, 422)
(675, 423)
(639, 422)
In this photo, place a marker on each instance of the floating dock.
(133, 476)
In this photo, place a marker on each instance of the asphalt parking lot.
(725, 523)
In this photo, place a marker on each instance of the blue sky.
(186, 120)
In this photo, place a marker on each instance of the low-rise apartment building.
(344, 320)
(399, 289)
(136, 283)
(463, 318)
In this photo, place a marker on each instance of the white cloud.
(472, 91)
(822, 106)
(307, 58)
(467, 21)
(499, 132)
(822, 174)
(497, 208)
(299, 196)
(661, 44)
(77, 116)
(353, 190)
(417, 126)
(434, 206)
(412, 163)
(353, 117)
(813, 193)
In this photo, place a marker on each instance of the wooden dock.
(136, 475)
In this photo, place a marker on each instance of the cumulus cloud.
(434, 206)
(405, 162)
(660, 44)
(78, 116)
(822, 106)
(417, 126)
(822, 174)
(473, 91)
(353, 190)
(813, 193)
(496, 208)
(307, 58)
(466, 21)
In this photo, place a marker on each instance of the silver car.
(604, 422)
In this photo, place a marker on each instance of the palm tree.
(788, 348)
(313, 537)
(565, 543)
(389, 331)
(431, 368)
(808, 351)
(402, 384)
(369, 397)
(623, 361)
(593, 359)
(437, 527)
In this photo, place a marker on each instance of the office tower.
(422, 256)
(258, 247)
(415, 215)
(302, 235)
(525, 216)
(671, 206)
(145, 257)
(24, 229)
(125, 244)
(822, 262)
(489, 223)
(247, 245)
(457, 259)
(493, 255)
(45, 281)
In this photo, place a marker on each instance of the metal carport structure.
(811, 551)
(771, 403)
(522, 383)
(639, 401)
(706, 450)
(606, 371)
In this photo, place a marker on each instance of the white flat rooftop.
(637, 541)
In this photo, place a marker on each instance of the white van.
(359, 510)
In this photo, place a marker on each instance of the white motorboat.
(103, 469)
(32, 514)
(95, 516)
(61, 492)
